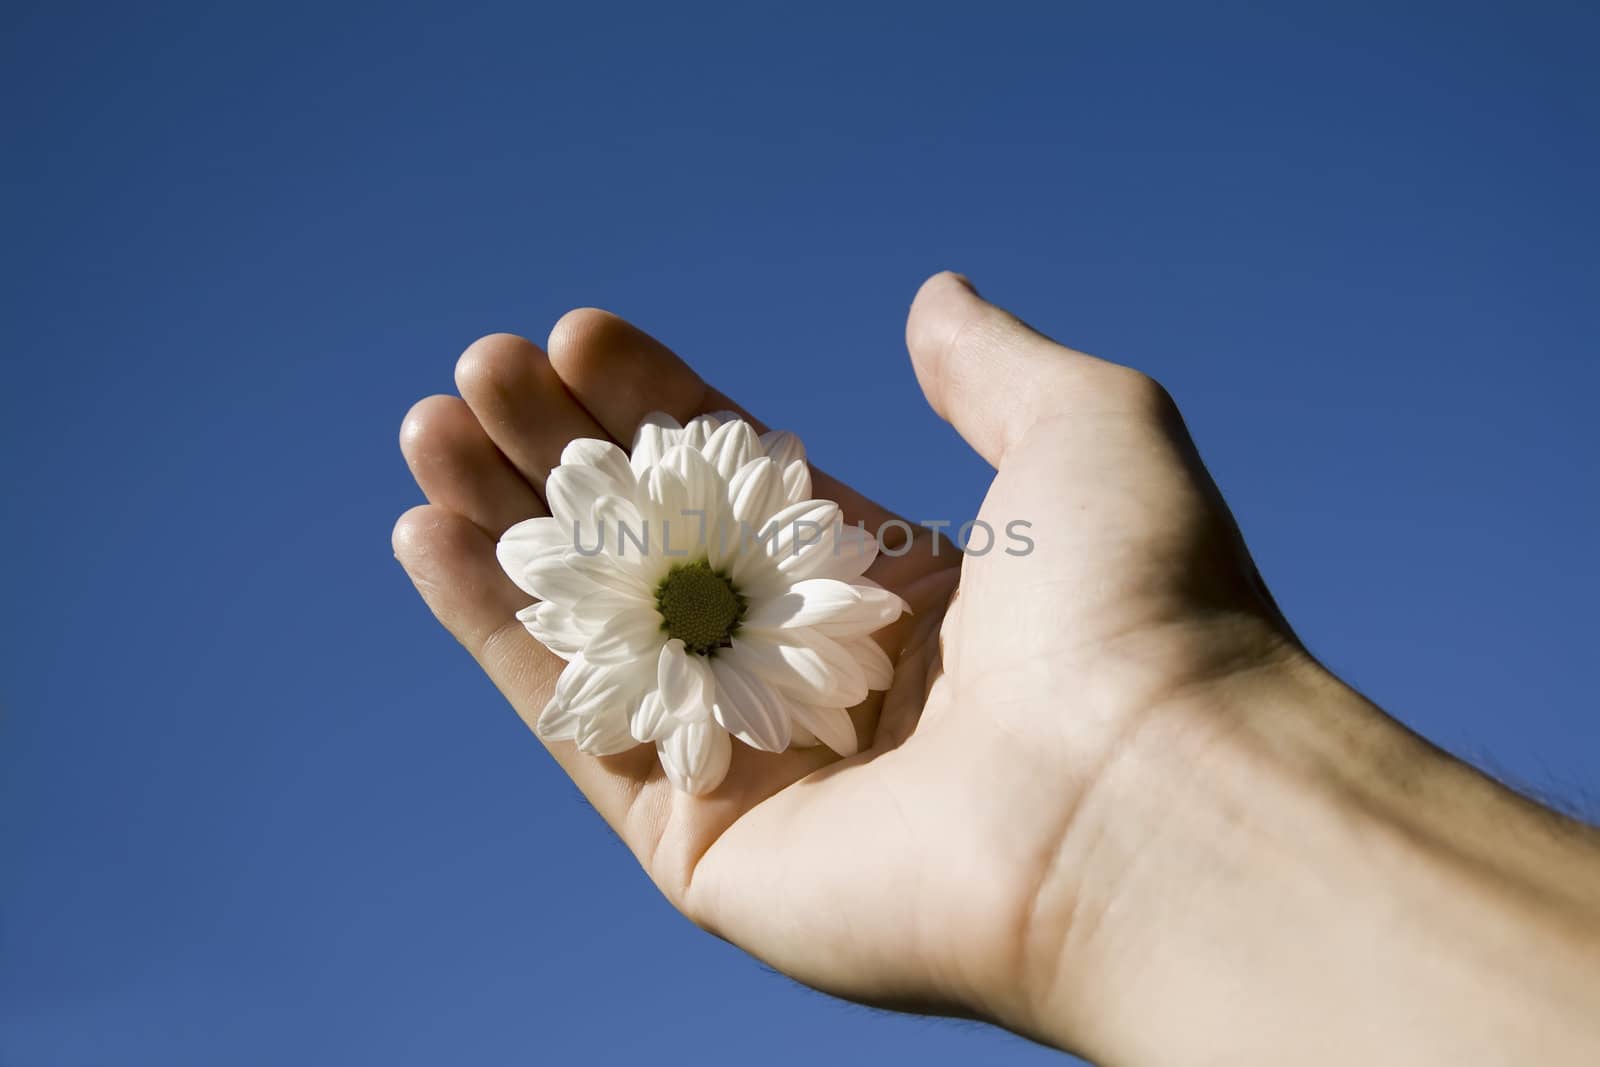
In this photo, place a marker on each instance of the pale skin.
(1110, 802)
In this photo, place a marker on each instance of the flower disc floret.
(699, 606)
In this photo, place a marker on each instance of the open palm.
(926, 870)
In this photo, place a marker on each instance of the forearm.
(1288, 875)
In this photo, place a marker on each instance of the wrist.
(1272, 863)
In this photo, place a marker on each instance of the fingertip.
(943, 287)
(494, 364)
(942, 304)
(942, 307)
(572, 330)
(429, 420)
(949, 277)
(410, 532)
(986, 371)
(432, 541)
(619, 372)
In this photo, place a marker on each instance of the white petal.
(626, 638)
(798, 531)
(657, 432)
(650, 721)
(797, 482)
(876, 667)
(677, 515)
(849, 608)
(605, 731)
(555, 627)
(802, 663)
(608, 572)
(665, 497)
(571, 492)
(585, 687)
(663, 502)
(705, 519)
(605, 457)
(893, 606)
(789, 608)
(698, 430)
(723, 536)
(528, 540)
(844, 552)
(592, 705)
(696, 756)
(843, 667)
(879, 608)
(601, 606)
(800, 737)
(731, 446)
(700, 478)
(806, 521)
(685, 682)
(749, 708)
(783, 446)
(549, 578)
(577, 677)
(832, 726)
(790, 455)
(755, 493)
(556, 723)
(623, 526)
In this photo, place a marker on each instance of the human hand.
(910, 873)
(981, 854)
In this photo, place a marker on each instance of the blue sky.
(256, 808)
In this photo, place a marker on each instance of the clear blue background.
(258, 809)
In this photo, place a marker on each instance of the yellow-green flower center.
(699, 606)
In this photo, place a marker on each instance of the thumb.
(992, 377)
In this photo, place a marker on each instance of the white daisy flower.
(697, 591)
